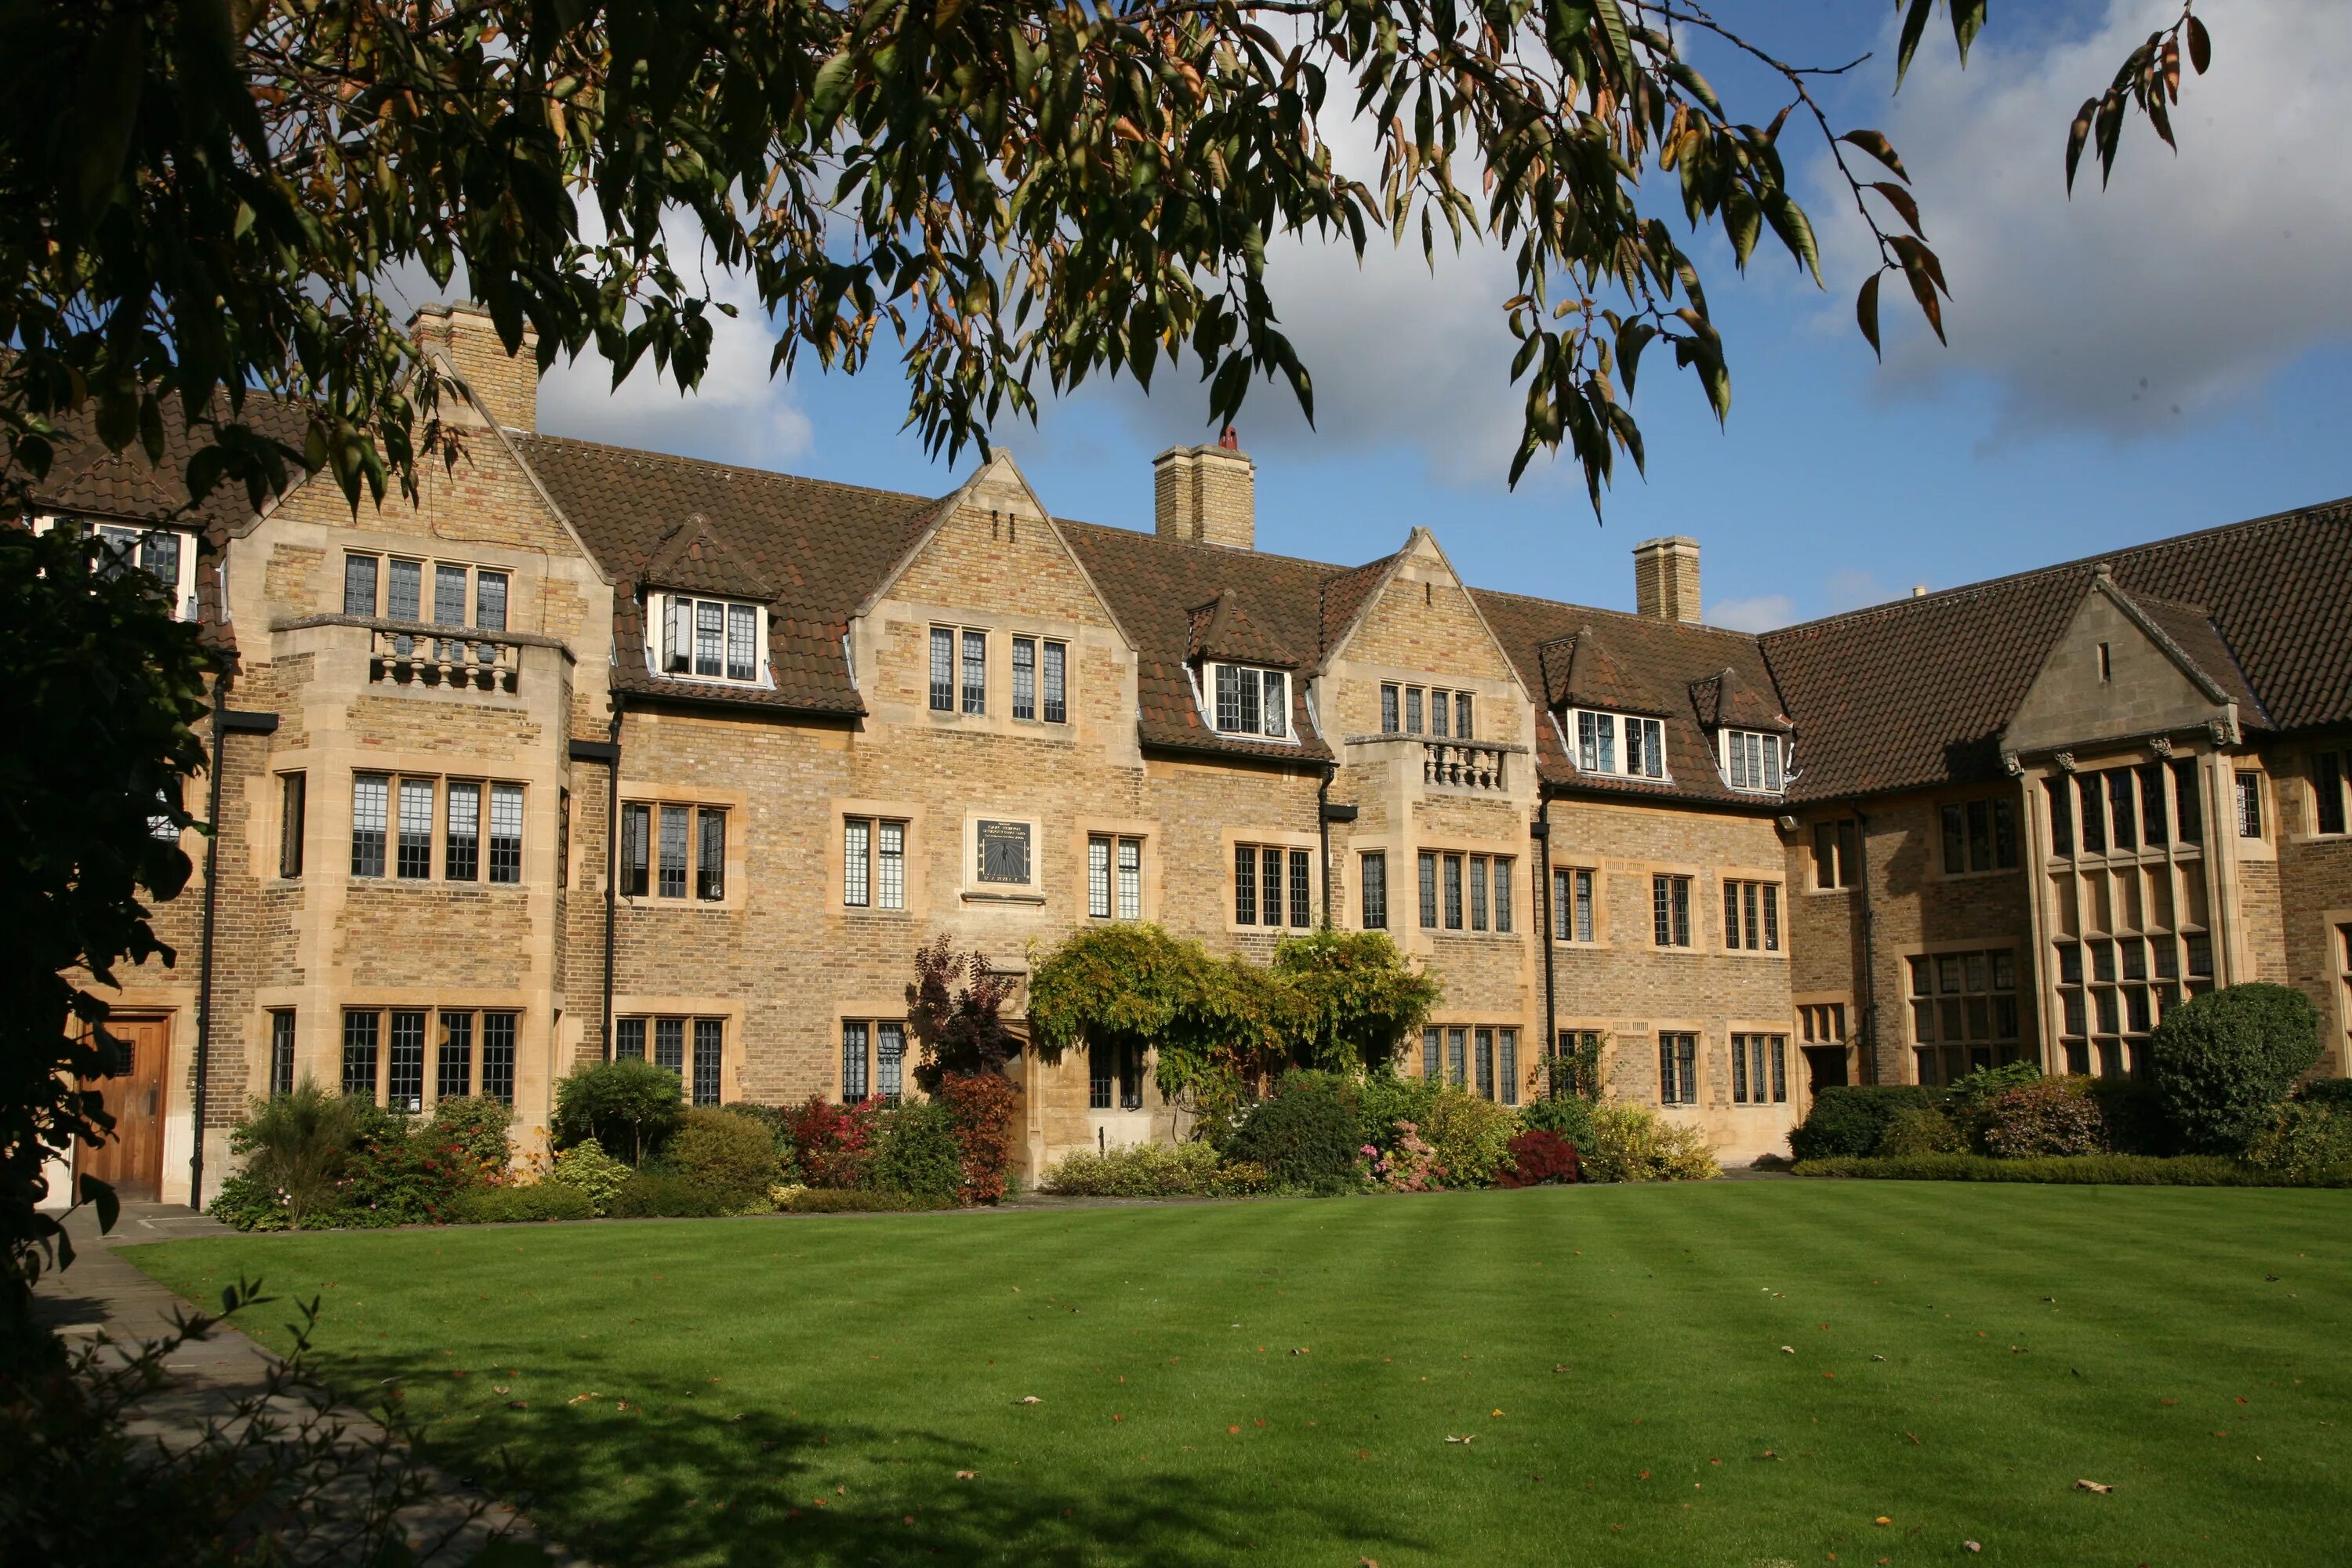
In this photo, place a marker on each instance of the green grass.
(805, 1390)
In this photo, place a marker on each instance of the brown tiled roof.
(1916, 692)
(818, 548)
(1724, 700)
(1224, 629)
(1651, 667)
(695, 560)
(87, 479)
(1150, 585)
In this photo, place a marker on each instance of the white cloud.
(1846, 591)
(1763, 612)
(2178, 289)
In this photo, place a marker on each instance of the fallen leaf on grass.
(1913, 1436)
(1788, 1350)
(2159, 1402)
(1461, 1439)
(1559, 1366)
(1972, 1546)
(1882, 1519)
(967, 1475)
(1878, 1358)
(2099, 1487)
(1232, 1428)
(1030, 1399)
(1302, 1350)
(498, 1388)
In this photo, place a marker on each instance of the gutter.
(224, 723)
(1869, 948)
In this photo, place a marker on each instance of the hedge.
(1849, 1119)
(2082, 1170)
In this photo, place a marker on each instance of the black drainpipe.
(1546, 928)
(224, 723)
(611, 864)
(1869, 952)
(1323, 831)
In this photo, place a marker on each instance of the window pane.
(710, 861)
(505, 832)
(1662, 912)
(360, 1040)
(1502, 894)
(1302, 889)
(889, 1060)
(1506, 1051)
(891, 860)
(1245, 684)
(1428, 891)
(1584, 906)
(291, 792)
(677, 636)
(1102, 1067)
(854, 862)
(1477, 892)
(1228, 698)
(2095, 813)
(2122, 826)
(2061, 815)
(2249, 806)
(1130, 879)
(404, 599)
(448, 595)
(1431, 1067)
(281, 1052)
(1956, 854)
(1277, 702)
(2187, 803)
(462, 845)
(1739, 1069)
(1772, 917)
(491, 601)
(453, 1065)
(1453, 892)
(499, 1055)
(1732, 914)
(1245, 884)
(359, 585)
(975, 672)
(710, 638)
(1980, 835)
(1270, 891)
(1441, 714)
(1057, 679)
(1391, 719)
(1772, 778)
(1462, 716)
(1024, 678)
(1456, 1054)
(416, 828)
(1375, 880)
(632, 1042)
(1098, 879)
(852, 1063)
(405, 1075)
(1484, 1039)
(742, 642)
(670, 1045)
(709, 1037)
(1413, 697)
(1605, 728)
(636, 848)
(942, 671)
(672, 863)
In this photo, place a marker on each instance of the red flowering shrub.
(984, 1105)
(2047, 1116)
(835, 1141)
(1538, 1157)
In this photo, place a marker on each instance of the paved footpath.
(103, 1293)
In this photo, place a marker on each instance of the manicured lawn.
(1275, 1382)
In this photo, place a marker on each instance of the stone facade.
(526, 667)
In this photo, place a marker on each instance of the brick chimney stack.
(1665, 578)
(1206, 494)
(467, 345)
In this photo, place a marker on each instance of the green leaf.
(1915, 27)
(1796, 232)
(100, 1196)
(1968, 20)
(1865, 313)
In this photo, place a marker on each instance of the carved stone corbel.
(2013, 764)
(2161, 745)
(2065, 760)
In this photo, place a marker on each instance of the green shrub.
(1140, 1171)
(664, 1195)
(2098, 1170)
(1849, 1119)
(2050, 1116)
(778, 1122)
(2134, 1114)
(2223, 1062)
(1633, 1143)
(1387, 1102)
(2308, 1139)
(586, 1166)
(398, 1174)
(628, 1106)
(917, 1153)
(1240, 1178)
(507, 1206)
(245, 1202)
(295, 1148)
(1916, 1130)
(733, 1158)
(1570, 1115)
(1470, 1138)
(852, 1200)
(476, 1127)
(2330, 1092)
(1306, 1135)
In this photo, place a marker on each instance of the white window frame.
(1211, 675)
(660, 613)
(1618, 729)
(1764, 765)
(118, 534)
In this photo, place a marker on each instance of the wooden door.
(133, 1160)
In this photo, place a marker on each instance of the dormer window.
(1251, 701)
(1753, 761)
(1642, 754)
(709, 639)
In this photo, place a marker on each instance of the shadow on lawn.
(761, 1488)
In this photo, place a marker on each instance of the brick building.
(597, 750)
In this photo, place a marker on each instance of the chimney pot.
(1665, 578)
(1206, 494)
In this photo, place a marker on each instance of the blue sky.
(2166, 356)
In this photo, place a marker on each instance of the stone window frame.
(1260, 839)
(732, 807)
(1845, 846)
(1564, 909)
(730, 1014)
(437, 872)
(477, 1008)
(1961, 815)
(2248, 806)
(1770, 913)
(2016, 1046)
(1467, 905)
(657, 618)
(1681, 926)
(1043, 702)
(1773, 757)
(1769, 1048)
(874, 1026)
(1298, 895)
(1116, 887)
(430, 568)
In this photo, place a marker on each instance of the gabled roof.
(1223, 629)
(2187, 632)
(1597, 678)
(695, 560)
(1725, 700)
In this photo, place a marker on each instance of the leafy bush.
(630, 1108)
(917, 1153)
(1849, 1119)
(540, 1200)
(983, 1107)
(847, 1200)
(1140, 1171)
(294, 1146)
(1633, 1143)
(2330, 1092)
(1240, 1178)
(478, 1128)
(1570, 1115)
(2224, 1061)
(733, 1158)
(399, 1174)
(595, 1173)
(1472, 1137)
(1306, 1135)
(1916, 1130)
(1408, 1164)
(2134, 1114)
(835, 1142)
(664, 1195)
(1538, 1157)
(777, 1121)
(2050, 1116)
(2098, 1169)
(2307, 1140)
(1388, 1102)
